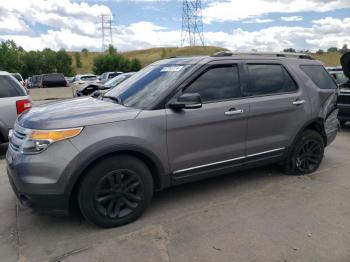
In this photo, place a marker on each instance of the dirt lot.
(260, 215)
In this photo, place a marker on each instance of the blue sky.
(267, 25)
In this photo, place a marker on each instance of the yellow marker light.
(55, 135)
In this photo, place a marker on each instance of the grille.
(344, 99)
(18, 136)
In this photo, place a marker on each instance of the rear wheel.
(115, 191)
(307, 154)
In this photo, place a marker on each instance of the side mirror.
(188, 101)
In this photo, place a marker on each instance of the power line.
(192, 23)
(106, 30)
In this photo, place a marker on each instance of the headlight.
(38, 140)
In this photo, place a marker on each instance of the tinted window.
(319, 76)
(220, 83)
(18, 77)
(111, 75)
(270, 79)
(88, 78)
(10, 87)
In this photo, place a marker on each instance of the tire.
(115, 191)
(306, 155)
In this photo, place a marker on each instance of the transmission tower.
(106, 29)
(192, 23)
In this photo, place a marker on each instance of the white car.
(90, 83)
(13, 101)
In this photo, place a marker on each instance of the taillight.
(66, 83)
(41, 84)
(23, 105)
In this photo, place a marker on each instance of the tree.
(112, 61)
(10, 55)
(135, 65)
(289, 50)
(320, 52)
(332, 50)
(85, 52)
(77, 60)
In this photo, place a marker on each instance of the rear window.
(53, 77)
(319, 76)
(270, 79)
(88, 78)
(9, 87)
(112, 75)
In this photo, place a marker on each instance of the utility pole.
(106, 30)
(192, 23)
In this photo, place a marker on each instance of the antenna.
(192, 23)
(106, 29)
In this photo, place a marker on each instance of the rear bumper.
(331, 126)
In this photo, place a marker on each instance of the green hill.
(148, 56)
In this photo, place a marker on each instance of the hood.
(75, 113)
(345, 63)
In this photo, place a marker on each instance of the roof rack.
(276, 54)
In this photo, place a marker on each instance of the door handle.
(233, 112)
(298, 102)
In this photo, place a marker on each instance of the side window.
(319, 76)
(269, 79)
(9, 87)
(218, 83)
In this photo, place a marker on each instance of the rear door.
(278, 109)
(211, 137)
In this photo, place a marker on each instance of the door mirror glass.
(188, 101)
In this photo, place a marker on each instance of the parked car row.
(46, 81)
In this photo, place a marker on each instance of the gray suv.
(176, 121)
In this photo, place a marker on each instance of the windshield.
(88, 78)
(117, 80)
(145, 86)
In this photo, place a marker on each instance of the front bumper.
(39, 181)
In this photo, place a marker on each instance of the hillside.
(148, 56)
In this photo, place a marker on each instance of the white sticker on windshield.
(171, 69)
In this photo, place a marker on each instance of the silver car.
(13, 101)
(176, 121)
(85, 83)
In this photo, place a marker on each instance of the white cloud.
(291, 18)
(258, 21)
(235, 10)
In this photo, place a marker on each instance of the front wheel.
(115, 191)
(306, 155)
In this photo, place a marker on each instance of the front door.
(213, 136)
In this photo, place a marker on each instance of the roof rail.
(277, 54)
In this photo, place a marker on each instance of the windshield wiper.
(115, 98)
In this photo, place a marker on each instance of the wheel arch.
(316, 124)
(161, 180)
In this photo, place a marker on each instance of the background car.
(19, 78)
(69, 79)
(53, 80)
(344, 91)
(85, 84)
(35, 82)
(109, 75)
(338, 74)
(13, 101)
